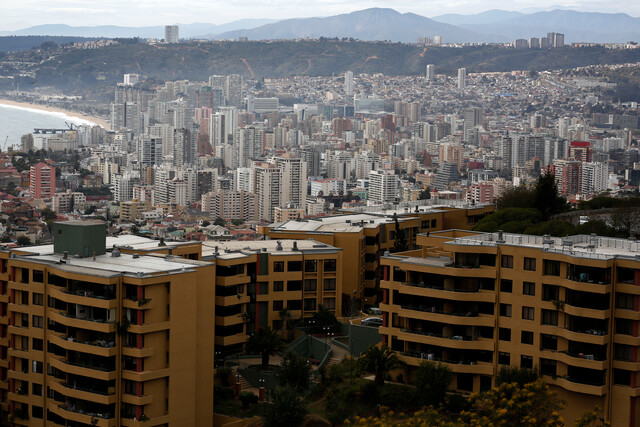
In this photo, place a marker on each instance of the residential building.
(68, 201)
(106, 339)
(42, 181)
(287, 214)
(383, 187)
(478, 302)
(171, 33)
(431, 72)
(229, 205)
(132, 211)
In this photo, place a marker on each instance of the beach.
(74, 116)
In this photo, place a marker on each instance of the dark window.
(623, 352)
(295, 304)
(311, 266)
(624, 326)
(36, 389)
(294, 266)
(434, 223)
(37, 344)
(310, 285)
(548, 367)
(330, 265)
(548, 342)
(551, 268)
(526, 337)
(504, 358)
(528, 313)
(550, 293)
(505, 310)
(38, 276)
(36, 412)
(549, 317)
(507, 261)
(278, 286)
(526, 362)
(528, 288)
(329, 303)
(294, 285)
(506, 285)
(624, 301)
(329, 284)
(278, 266)
(309, 304)
(530, 264)
(277, 305)
(504, 334)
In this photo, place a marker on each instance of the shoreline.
(47, 109)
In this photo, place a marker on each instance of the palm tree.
(267, 342)
(285, 316)
(379, 360)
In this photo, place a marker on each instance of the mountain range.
(388, 24)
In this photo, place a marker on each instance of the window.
(530, 264)
(550, 293)
(329, 284)
(310, 285)
(329, 303)
(526, 337)
(36, 412)
(294, 285)
(311, 266)
(434, 223)
(278, 267)
(295, 304)
(506, 285)
(624, 326)
(505, 310)
(551, 268)
(507, 261)
(392, 235)
(504, 358)
(504, 334)
(528, 288)
(36, 367)
(623, 352)
(38, 276)
(548, 342)
(263, 288)
(278, 305)
(278, 286)
(528, 313)
(309, 304)
(25, 320)
(294, 266)
(550, 317)
(36, 344)
(548, 367)
(329, 265)
(624, 301)
(526, 362)
(36, 389)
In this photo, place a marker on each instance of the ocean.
(17, 121)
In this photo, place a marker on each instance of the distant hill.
(114, 31)
(90, 71)
(369, 24)
(576, 26)
(18, 43)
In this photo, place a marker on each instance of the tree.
(285, 317)
(219, 221)
(285, 408)
(295, 372)
(266, 342)
(513, 374)
(237, 222)
(24, 241)
(510, 405)
(48, 214)
(432, 381)
(379, 361)
(324, 318)
(425, 194)
(625, 220)
(206, 223)
(401, 243)
(546, 198)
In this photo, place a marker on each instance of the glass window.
(278, 305)
(329, 284)
(530, 264)
(310, 285)
(528, 313)
(528, 288)
(551, 268)
(330, 265)
(526, 362)
(278, 286)
(278, 266)
(549, 317)
(506, 285)
(504, 358)
(504, 334)
(294, 266)
(505, 310)
(309, 304)
(310, 266)
(329, 303)
(526, 337)
(507, 261)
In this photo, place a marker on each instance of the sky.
(135, 13)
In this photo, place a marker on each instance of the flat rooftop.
(336, 223)
(583, 246)
(108, 266)
(231, 249)
(126, 240)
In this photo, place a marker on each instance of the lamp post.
(238, 386)
(261, 390)
(325, 329)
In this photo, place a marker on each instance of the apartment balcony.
(103, 397)
(232, 280)
(128, 422)
(454, 342)
(587, 312)
(145, 399)
(99, 324)
(71, 413)
(578, 385)
(627, 339)
(97, 347)
(579, 360)
(87, 370)
(143, 304)
(137, 352)
(437, 315)
(85, 298)
(239, 338)
(232, 300)
(421, 289)
(145, 375)
(457, 366)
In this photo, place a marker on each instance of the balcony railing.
(96, 343)
(586, 356)
(585, 381)
(72, 408)
(431, 356)
(431, 334)
(440, 288)
(438, 311)
(88, 319)
(88, 390)
(88, 294)
(84, 365)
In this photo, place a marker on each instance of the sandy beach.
(74, 114)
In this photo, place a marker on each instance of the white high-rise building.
(244, 179)
(348, 83)
(149, 150)
(249, 143)
(366, 162)
(233, 90)
(268, 189)
(383, 187)
(171, 33)
(165, 132)
(431, 72)
(462, 77)
(594, 178)
(294, 180)
(185, 151)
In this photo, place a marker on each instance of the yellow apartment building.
(367, 233)
(255, 280)
(132, 210)
(90, 337)
(569, 308)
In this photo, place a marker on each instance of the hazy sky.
(25, 13)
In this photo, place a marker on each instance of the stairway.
(244, 384)
(333, 361)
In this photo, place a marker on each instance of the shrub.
(223, 392)
(335, 373)
(247, 398)
(370, 392)
(224, 373)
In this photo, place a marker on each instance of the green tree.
(237, 222)
(513, 374)
(285, 408)
(295, 372)
(324, 318)
(266, 342)
(379, 361)
(432, 381)
(509, 405)
(48, 214)
(401, 242)
(206, 223)
(219, 221)
(516, 197)
(285, 317)
(24, 241)
(511, 220)
(546, 198)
